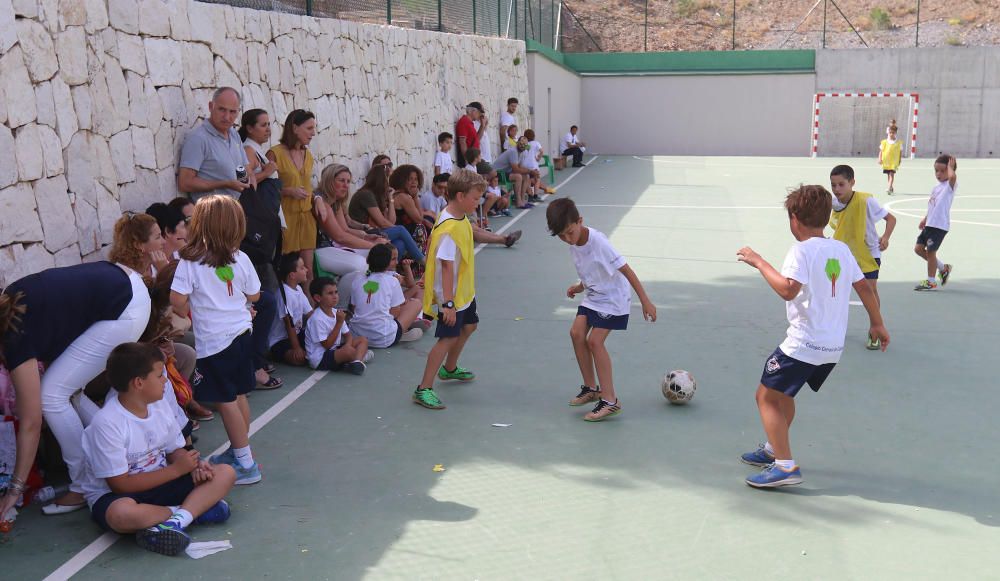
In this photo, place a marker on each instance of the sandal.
(269, 368)
(198, 412)
(271, 383)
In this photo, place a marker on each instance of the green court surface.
(897, 450)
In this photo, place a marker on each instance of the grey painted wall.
(698, 114)
(959, 91)
(555, 101)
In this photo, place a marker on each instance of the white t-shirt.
(495, 190)
(431, 203)
(527, 159)
(569, 140)
(875, 213)
(606, 290)
(219, 310)
(506, 119)
(447, 250)
(297, 306)
(484, 144)
(117, 442)
(939, 206)
(371, 311)
(442, 160)
(817, 317)
(317, 330)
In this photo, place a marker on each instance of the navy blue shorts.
(399, 335)
(221, 377)
(602, 321)
(931, 238)
(873, 275)
(170, 493)
(329, 361)
(787, 375)
(279, 349)
(467, 316)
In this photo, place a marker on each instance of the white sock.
(173, 509)
(243, 456)
(940, 265)
(182, 517)
(785, 465)
(768, 448)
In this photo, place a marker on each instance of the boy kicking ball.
(605, 278)
(815, 281)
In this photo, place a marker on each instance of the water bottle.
(48, 493)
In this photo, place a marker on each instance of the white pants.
(341, 261)
(82, 361)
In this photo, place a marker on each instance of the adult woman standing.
(294, 162)
(70, 318)
(372, 206)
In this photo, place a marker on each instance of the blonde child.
(287, 338)
(330, 346)
(890, 154)
(215, 281)
(936, 224)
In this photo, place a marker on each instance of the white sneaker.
(369, 355)
(412, 335)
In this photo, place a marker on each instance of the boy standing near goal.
(937, 223)
(605, 279)
(815, 281)
(853, 221)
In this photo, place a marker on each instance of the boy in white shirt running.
(936, 224)
(139, 477)
(605, 278)
(815, 281)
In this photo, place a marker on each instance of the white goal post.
(853, 124)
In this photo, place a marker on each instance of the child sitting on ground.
(382, 315)
(404, 274)
(287, 339)
(329, 343)
(502, 204)
(140, 479)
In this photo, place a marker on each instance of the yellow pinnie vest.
(849, 226)
(460, 231)
(891, 154)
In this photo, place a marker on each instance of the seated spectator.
(287, 338)
(140, 478)
(412, 288)
(534, 156)
(434, 200)
(502, 205)
(295, 169)
(442, 159)
(382, 314)
(138, 245)
(213, 151)
(571, 145)
(511, 141)
(372, 206)
(329, 343)
(173, 228)
(406, 182)
(341, 247)
(475, 160)
(184, 205)
(69, 319)
(509, 162)
(383, 161)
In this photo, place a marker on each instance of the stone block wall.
(96, 97)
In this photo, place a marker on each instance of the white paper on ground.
(204, 549)
(502, 425)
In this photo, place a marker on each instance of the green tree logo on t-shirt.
(833, 273)
(370, 287)
(225, 274)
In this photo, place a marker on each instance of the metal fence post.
(539, 39)
(515, 19)
(645, 29)
(552, 16)
(734, 24)
(824, 23)
(918, 22)
(388, 11)
(440, 24)
(309, 8)
(473, 16)
(499, 18)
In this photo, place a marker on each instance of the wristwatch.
(448, 305)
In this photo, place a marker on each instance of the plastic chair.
(547, 162)
(318, 270)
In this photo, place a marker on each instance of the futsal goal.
(853, 124)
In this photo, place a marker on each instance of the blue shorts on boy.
(467, 316)
(931, 238)
(171, 493)
(603, 320)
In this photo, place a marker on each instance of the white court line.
(656, 207)
(891, 205)
(728, 159)
(104, 542)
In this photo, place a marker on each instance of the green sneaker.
(427, 398)
(458, 373)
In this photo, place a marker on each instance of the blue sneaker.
(773, 476)
(759, 457)
(227, 457)
(166, 538)
(219, 513)
(249, 475)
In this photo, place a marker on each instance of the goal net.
(853, 124)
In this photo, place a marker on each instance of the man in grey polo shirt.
(213, 150)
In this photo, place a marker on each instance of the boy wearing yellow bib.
(450, 285)
(853, 221)
(890, 154)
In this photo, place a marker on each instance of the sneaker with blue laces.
(759, 457)
(166, 538)
(774, 476)
(249, 475)
(219, 513)
(227, 457)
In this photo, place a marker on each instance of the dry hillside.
(617, 25)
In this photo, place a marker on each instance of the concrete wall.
(768, 114)
(555, 100)
(959, 91)
(96, 97)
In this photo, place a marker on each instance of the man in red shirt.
(465, 130)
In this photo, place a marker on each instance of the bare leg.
(409, 313)
(931, 264)
(602, 361)
(777, 411)
(307, 258)
(873, 284)
(434, 359)
(127, 516)
(482, 236)
(244, 404)
(456, 350)
(578, 334)
(235, 423)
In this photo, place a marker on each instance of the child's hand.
(883, 243)
(923, 224)
(448, 315)
(186, 461)
(298, 356)
(880, 333)
(341, 315)
(203, 473)
(649, 311)
(747, 255)
(406, 263)
(574, 290)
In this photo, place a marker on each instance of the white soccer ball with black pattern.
(678, 386)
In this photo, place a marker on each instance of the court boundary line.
(891, 205)
(98, 546)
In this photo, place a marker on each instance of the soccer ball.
(678, 386)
